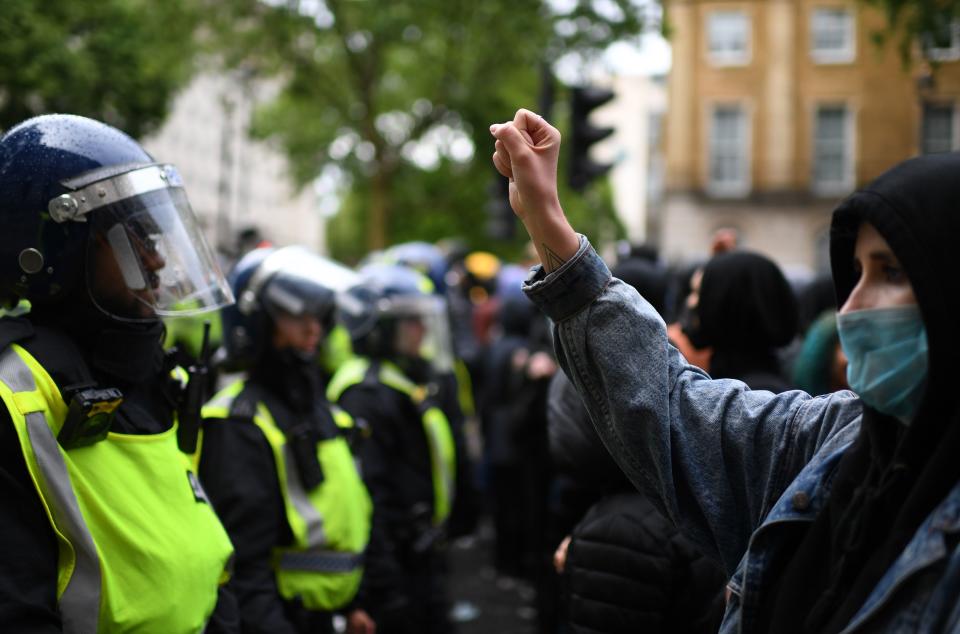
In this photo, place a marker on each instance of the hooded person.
(743, 311)
(837, 513)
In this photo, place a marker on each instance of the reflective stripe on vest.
(436, 427)
(332, 546)
(125, 513)
(323, 561)
(79, 600)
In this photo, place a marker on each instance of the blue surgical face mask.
(886, 352)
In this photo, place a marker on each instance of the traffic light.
(501, 221)
(584, 134)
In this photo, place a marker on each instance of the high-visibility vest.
(436, 427)
(330, 523)
(139, 546)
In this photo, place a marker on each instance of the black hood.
(916, 208)
(893, 476)
(745, 303)
(516, 316)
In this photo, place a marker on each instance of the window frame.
(742, 187)
(954, 125)
(846, 183)
(846, 55)
(943, 54)
(729, 58)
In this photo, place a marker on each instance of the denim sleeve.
(712, 454)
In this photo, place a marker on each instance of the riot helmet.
(86, 211)
(394, 314)
(277, 284)
(422, 257)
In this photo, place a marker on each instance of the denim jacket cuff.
(564, 292)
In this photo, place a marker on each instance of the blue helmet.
(423, 257)
(269, 282)
(393, 312)
(82, 204)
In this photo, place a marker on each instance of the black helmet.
(388, 296)
(269, 282)
(83, 206)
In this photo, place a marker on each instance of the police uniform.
(275, 456)
(409, 466)
(299, 547)
(95, 532)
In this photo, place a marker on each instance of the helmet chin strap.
(417, 369)
(129, 352)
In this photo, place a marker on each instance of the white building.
(635, 114)
(233, 181)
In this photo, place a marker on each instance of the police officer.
(399, 331)
(105, 527)
(274, 455)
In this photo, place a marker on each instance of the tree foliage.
(916, 22)
(120, 61)
(368, 85)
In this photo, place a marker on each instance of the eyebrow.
(883, 256)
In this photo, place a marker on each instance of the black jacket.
(628, 569)
(396, 468)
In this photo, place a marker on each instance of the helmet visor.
(295, 281)
(422, 329)
(147, 258)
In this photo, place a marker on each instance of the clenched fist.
(526, 152)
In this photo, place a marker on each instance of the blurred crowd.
(565, 520)
(293, 447)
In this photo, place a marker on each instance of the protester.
(625, 567)
(834, 513)
(743, 309)
(105, 525)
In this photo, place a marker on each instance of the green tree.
(910, 22)
(364, 84)
(120, 61)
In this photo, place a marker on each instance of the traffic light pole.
(582, 169)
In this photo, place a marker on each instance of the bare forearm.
(552, 235)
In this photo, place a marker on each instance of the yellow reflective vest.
(139, 547)
(436, 427)
(330, 523)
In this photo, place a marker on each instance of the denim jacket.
(733, 468)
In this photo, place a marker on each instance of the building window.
(728, 156)
(938, 129)
(728, 38)
(832, 36)
(832, 150)
(942, 43)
